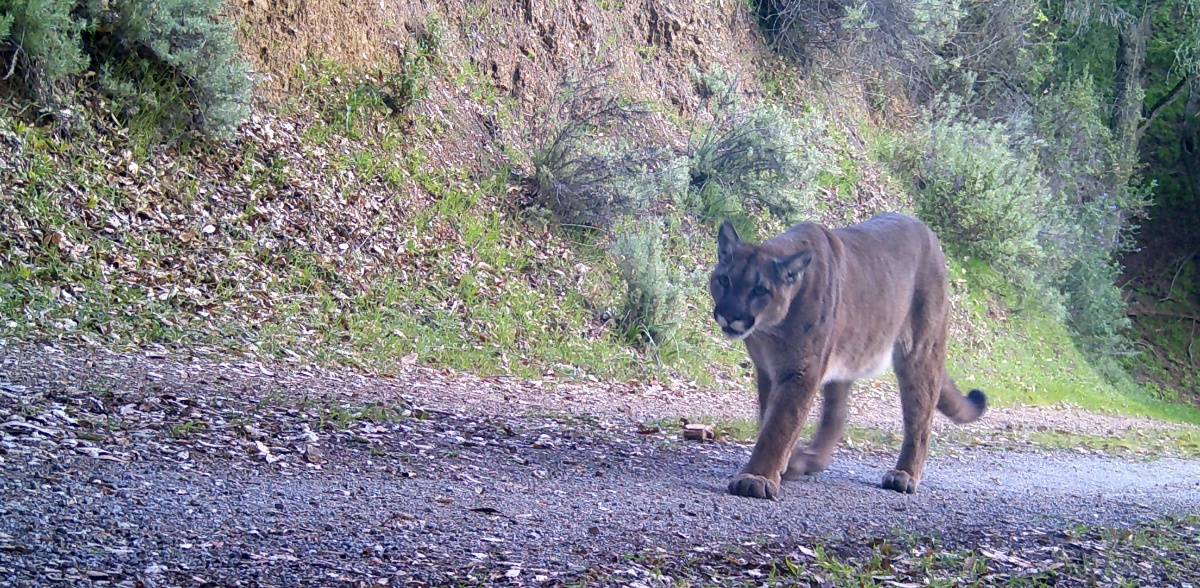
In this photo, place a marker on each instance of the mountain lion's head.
(752, 286)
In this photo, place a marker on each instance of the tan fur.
(821, 308)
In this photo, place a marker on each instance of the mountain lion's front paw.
(754, 487)
(900, 481)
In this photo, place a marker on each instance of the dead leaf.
(265, 452)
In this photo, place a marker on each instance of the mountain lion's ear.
(728, 240)
(791, 268)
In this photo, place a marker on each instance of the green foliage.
(653, 303)
(357, 103)
(1096, 310)
(903, 51)
(1086, 170)
(1042, 201)
(170, 60)
(409, 84)
(393, 92)
(762, 156)
(1078, 155)
(907, 27)
(593, 161)
(41, 41)
(979, 189)
(175, 49)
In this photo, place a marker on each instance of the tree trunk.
(1189, 140)
(1129, 94)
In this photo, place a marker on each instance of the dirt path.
(131, 469)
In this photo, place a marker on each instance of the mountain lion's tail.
(961, 409)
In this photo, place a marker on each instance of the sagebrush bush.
(40, 41)
(653, 302)
(183, 42)
(980, 190)
(1043, 200)
(764, 156)
(917, 49)
(873, 38)
(162, 57)
(593, 160)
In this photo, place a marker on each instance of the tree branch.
(1150, 9)
(1162, 103)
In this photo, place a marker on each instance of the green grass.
(187, 429)
(1151, 444)
(1154, 443)
(332, 416)
(1030, 359)
(746, 431)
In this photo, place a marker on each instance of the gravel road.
(136, 470)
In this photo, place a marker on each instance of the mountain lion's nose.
(735, 327)
(741, 325)
(721, 320)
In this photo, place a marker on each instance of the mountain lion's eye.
(759, 291)
(723, 281)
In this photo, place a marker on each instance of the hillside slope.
(376, 209)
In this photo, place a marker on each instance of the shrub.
(653, 303)
(1084, 166)
(180, 43)
(592, 157)
(41, 41)
(761, 156)
(160, 56)
(1043, 200)
(916, 49)
(871, 36)
(1085, 169)
(980, 190)
(1096, 310)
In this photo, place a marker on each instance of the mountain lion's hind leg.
(833, 420)
(920, 385)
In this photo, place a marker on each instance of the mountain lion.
(821, 308)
